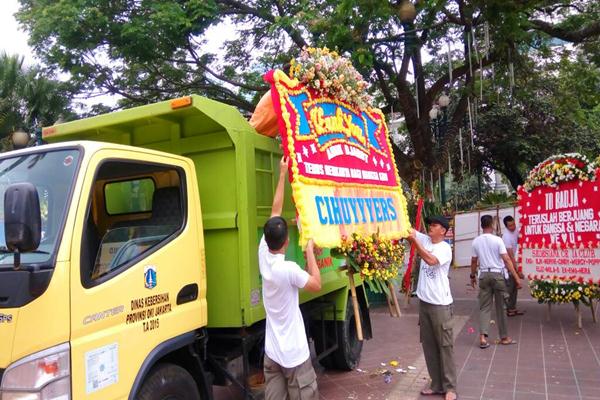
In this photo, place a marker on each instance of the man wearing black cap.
(435, 306)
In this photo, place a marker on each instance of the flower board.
(343, 175)
(560, 230)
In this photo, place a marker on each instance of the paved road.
(553, 360)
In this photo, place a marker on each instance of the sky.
(12, 39)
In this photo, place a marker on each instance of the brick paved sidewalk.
(552, 360)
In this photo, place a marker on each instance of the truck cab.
(120, 265)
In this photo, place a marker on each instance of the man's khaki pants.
(492, 286)
(437, 339)
(511, 288)
(297, 383)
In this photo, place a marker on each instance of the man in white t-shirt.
(435, 307)
(289, 373)
(510, 237)
(489, 252)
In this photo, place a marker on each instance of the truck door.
(137, 272)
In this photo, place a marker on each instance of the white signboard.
(101, 367)
(562, 263)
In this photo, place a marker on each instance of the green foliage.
(28, 98)
(430, 208)
(496, 198)
(464, 194)
(555, 108)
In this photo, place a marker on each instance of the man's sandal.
(430, 392)
(451, 396)
(484, 345)
(507, 341)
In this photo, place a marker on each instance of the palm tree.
(10, 73)
(28, 98)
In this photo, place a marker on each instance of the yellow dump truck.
(128, 266)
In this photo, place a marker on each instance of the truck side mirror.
(22, 220)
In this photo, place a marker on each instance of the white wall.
(467, 227)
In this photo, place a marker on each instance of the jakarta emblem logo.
(150, 277)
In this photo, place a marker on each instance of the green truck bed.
(237, 170)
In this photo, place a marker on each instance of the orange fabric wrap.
(264, 119)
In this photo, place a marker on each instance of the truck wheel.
(169, 382)
(347, 355)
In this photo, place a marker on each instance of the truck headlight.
(45, 375)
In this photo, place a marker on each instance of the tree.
(554, 108)
(147, 50)
(28, 98)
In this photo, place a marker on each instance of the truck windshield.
(52, 173)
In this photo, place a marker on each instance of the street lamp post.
(439, 126)
(38, 135)
(407, 14)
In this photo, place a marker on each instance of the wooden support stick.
(390, 305)
(407, 297)
(578, 313)
(548, 312)
(359, 332)
(593, 309)
(394, 298)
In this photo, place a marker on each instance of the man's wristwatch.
(472, 276)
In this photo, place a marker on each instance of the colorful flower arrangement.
(557, 291)
(376, 259)
(330, 74)
(416, 190)
(559, 169)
